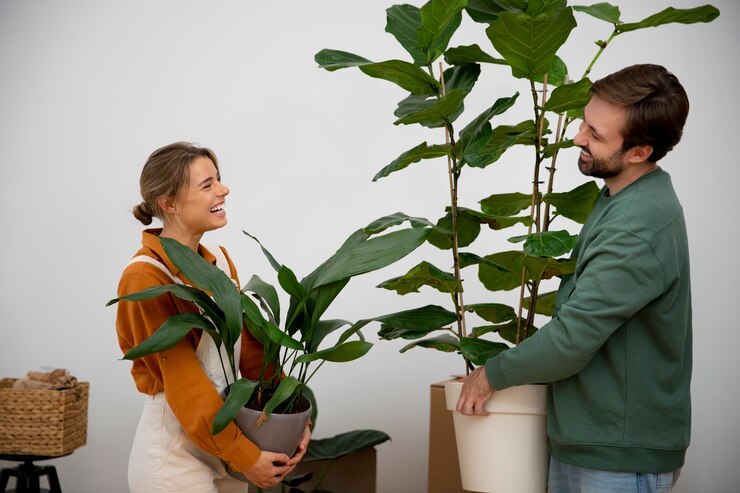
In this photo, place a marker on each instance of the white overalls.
(163, 459)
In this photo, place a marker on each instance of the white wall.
(89, 88)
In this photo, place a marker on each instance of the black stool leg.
(51, 473)
(4, 476)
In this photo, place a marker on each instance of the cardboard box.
(354, 473)
(444, 467)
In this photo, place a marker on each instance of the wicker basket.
(42, 422)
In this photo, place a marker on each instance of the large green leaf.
(439, 21)
(537, 268)
(266, 292)
(395, 219)
(463, 55)
(324, 296)
(413, 104)
(279, 337)
(445, 343)
(323, 328)
(343, 444)
(404, 74)
(489, 329)
(172, 331)
(340, 353)
(493, 312)
(569, 96)
(551, 149)
(462, 77)
(459, 77)
(705, 13)
(529, 43)
(547, 244)
(187, 293)
(332, 60)
(468, 229)
(478, 351)
(424, 274)
(506, 204)
(467, 259)
(287, 388)
(274, 263)
(508, 331)
(238, 395)
(545, 303)
(403, 22)
(575, 204)
(289, 282)
(388, 332)
(497, 222)
(485, 152)
(426, 318)
(537, 7)
(444, 110)
(487, 11)
(603, 11)
(210, 278)
(478, 126)
(422, 151)
(269, 332)
(367, 256)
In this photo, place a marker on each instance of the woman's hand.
(265, 473)
(302, 448)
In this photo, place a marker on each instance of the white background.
(89, 88)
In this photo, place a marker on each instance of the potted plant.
(294, 350)
(526, 36)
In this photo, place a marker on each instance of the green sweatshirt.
(617, 353)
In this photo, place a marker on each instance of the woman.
(174, 450)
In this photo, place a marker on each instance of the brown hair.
(655, 102)
(164, 174)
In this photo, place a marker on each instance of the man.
(617, 353)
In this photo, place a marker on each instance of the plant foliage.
(294, 347)
(526, 36)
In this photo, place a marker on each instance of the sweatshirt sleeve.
(191, 395)
(617, 275)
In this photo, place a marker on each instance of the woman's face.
(199, 206)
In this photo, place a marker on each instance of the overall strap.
(218, 252)
(156, 263)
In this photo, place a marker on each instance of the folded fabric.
(56, 379)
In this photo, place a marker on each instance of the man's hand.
(265, 473)
(475, 392)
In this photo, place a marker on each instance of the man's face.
(600, 140)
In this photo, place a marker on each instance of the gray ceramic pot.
(280, 433)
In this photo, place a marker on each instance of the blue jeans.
(564, 478)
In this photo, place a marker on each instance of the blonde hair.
(165, 173)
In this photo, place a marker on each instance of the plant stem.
(602, 47)
(534, 211)
(551, 180)
(453, 174)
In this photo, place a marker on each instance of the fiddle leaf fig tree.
(526, 36)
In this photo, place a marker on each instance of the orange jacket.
(176, 372)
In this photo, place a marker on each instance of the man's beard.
(602, 168)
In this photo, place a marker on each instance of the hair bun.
(143, 213)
